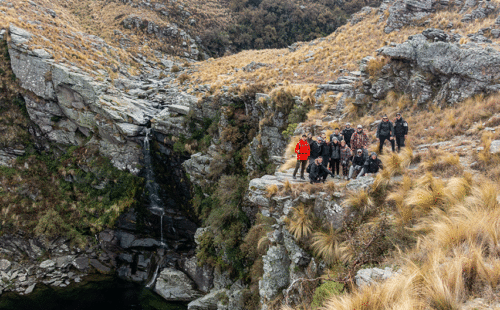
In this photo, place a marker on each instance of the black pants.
(382, 140)
(400, 141)
(335, 166)
(299, 163)
(326, 159)
(320, 178)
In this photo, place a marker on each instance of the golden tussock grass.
(442, 162)
(271, 190)
(458, 258)
(326, 244)
(359, 201)
(300, 224)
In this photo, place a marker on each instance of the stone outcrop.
(174, 285)
(416, 12)
(453, 72)
(276, 272)
(371, 275)
(203, 276)
(167, 34)
(69, 105)
(207, 302)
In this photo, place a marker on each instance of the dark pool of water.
(98, 293)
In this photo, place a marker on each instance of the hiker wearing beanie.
(400, 130)
(385, 131)
(372, 165)
(358, 163)
(347, 133)
(303, 151)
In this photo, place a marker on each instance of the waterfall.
(152, 188)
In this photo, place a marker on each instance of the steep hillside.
(112, 129)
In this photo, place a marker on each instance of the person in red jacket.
(303, 151)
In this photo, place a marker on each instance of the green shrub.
(325, 291)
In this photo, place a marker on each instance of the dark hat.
(385, 116)
(304, 136)
(398, 114)
(373, 153)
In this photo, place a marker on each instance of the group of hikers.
(325, 158)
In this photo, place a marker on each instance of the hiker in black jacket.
(318, 172)
(400, 130)
(335, 157)
(347, 133)
(325, 151)
(358, 163)
(385, 131)
(372, 165)
(336, 134)
(315, 150)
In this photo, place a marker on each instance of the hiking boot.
(294, 177)
(302, 178)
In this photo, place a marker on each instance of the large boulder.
(198, 168)
(371, 275)
(5, 265)
(495, 147)
(174, 285)
(207, 302)
(257, 190)
(203, 276)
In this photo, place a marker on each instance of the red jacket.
(303, 150)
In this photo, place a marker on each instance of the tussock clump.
(271, 190)
(441, 162)
(359, 201)
(375, 66)
(427, 195)
(300, 224)
(326, 244)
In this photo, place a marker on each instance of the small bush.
(183, 78)
(325, 291)
(375, 66)
(175, 69)
(271, 190)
